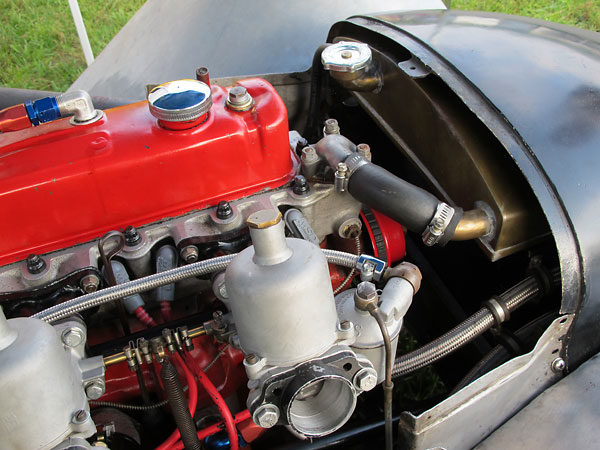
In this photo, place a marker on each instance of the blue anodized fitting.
(42, 110)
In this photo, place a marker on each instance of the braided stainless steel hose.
(150, 282)
(468, 330)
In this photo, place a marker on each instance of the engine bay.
(191, 272)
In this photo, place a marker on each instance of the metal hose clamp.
(438, 224)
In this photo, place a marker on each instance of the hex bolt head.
(35, 264)
(223, 290)
(366, 290)
(132, 236)
(224, 210)
(72, 337)
(266, 416)
(95, 389)
(189, 254)
(558, 365)
(237, 93)
(331, 127)
(365, 379)
(239, 99)
(89, 283)
(366, 294)
(301, 186)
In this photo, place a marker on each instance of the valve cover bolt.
(301, 186)
(239, 99)
(35, 264)
(132, 236)
(224, 210)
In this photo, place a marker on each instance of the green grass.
(578, 13)
(39, 48)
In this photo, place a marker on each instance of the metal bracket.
(371, 268)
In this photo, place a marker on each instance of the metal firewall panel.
(465, 418)
(564, 416)
(63, 184)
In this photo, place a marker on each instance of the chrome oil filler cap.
(180, 101)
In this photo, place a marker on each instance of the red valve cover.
(62, 184)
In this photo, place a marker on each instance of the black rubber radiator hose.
(383, 191)
(394, 197)
(179, 407)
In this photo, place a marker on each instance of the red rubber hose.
(218, 400)
(215, 428)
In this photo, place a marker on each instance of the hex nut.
(89, 283)
(224, 210)
(35, 264)
(189, 254)
(266, 416)
(365, 379)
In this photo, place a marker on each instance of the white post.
(81, 32)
